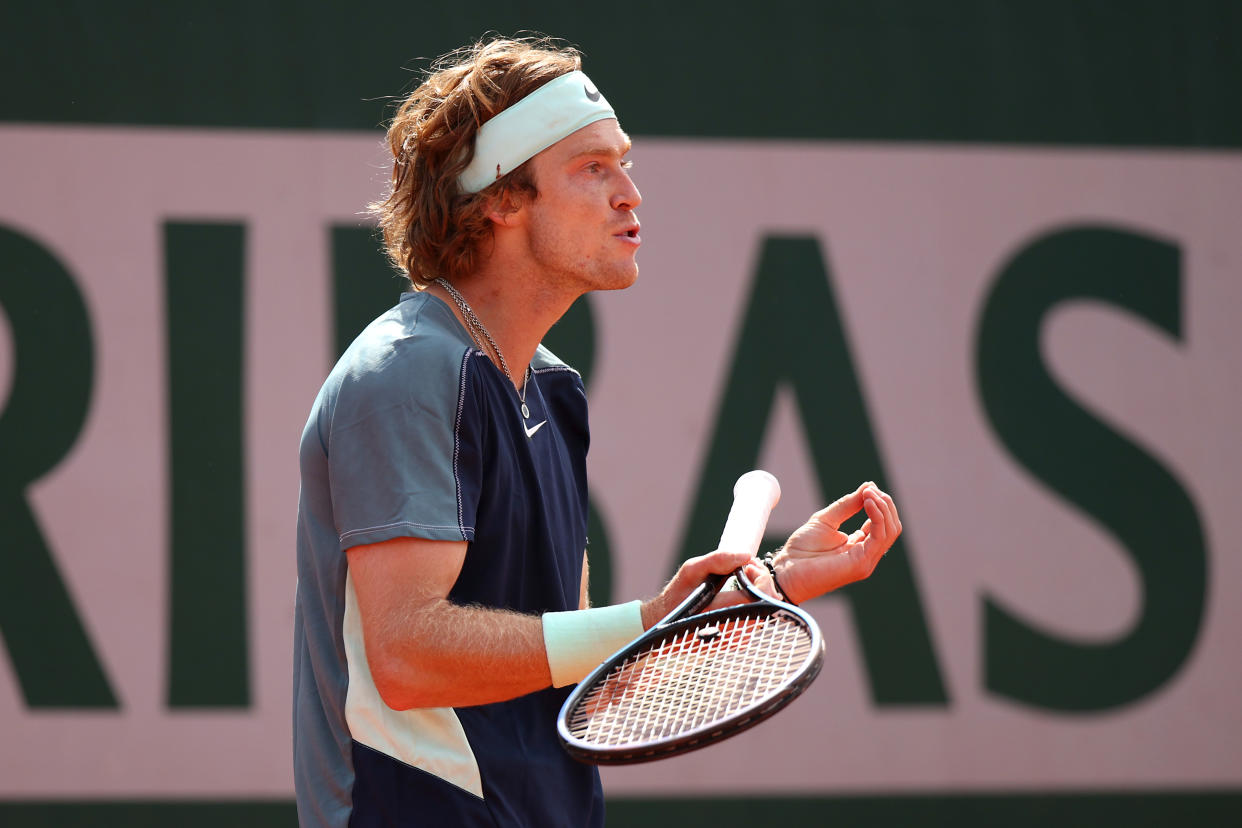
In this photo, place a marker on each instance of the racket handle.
(754, 496)
(701, 597)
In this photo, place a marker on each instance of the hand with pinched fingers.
(819, 558)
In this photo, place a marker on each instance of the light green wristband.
(578, 641)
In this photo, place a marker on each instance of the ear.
(505, 208)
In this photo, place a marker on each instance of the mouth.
(630, 234)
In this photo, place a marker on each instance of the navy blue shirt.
(416, 433)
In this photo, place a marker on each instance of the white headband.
(545, 116)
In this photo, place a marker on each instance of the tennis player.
(441, 610)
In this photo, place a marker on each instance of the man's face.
(582, 229)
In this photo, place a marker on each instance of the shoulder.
(414, 353)
(547, 364)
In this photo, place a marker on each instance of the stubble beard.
(560, 267)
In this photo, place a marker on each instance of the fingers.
(758, 575)
(762, 580)
(888, 508)
(720, 562)
(883, 523)
(849, 505)
(842, 509)
(692, 573)
(876, 518)
(860, 534)
(870, 542)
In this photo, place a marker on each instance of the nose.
(627, 196)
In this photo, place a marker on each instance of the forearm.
(424, 651)
(443, 654)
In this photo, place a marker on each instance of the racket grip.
(701, 597)
(755, 494)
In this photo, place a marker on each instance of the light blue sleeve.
(403, 456)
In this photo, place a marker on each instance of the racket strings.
(701, 675)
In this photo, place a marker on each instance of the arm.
(425, 651)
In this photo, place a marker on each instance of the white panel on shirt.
(431, 739)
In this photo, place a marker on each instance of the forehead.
(603, 137)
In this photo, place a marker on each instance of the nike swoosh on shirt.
(530, 432)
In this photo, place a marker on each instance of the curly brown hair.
(431, 227)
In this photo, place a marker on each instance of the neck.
(516, 312)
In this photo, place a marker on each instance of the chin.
(619, 281)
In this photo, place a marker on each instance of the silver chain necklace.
(476, 329)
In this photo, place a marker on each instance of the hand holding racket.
(698, 677)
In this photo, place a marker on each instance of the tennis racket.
(696, 678)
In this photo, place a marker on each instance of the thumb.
(844, 507)
(720, 562)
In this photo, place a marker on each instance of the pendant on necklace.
(525, 412)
